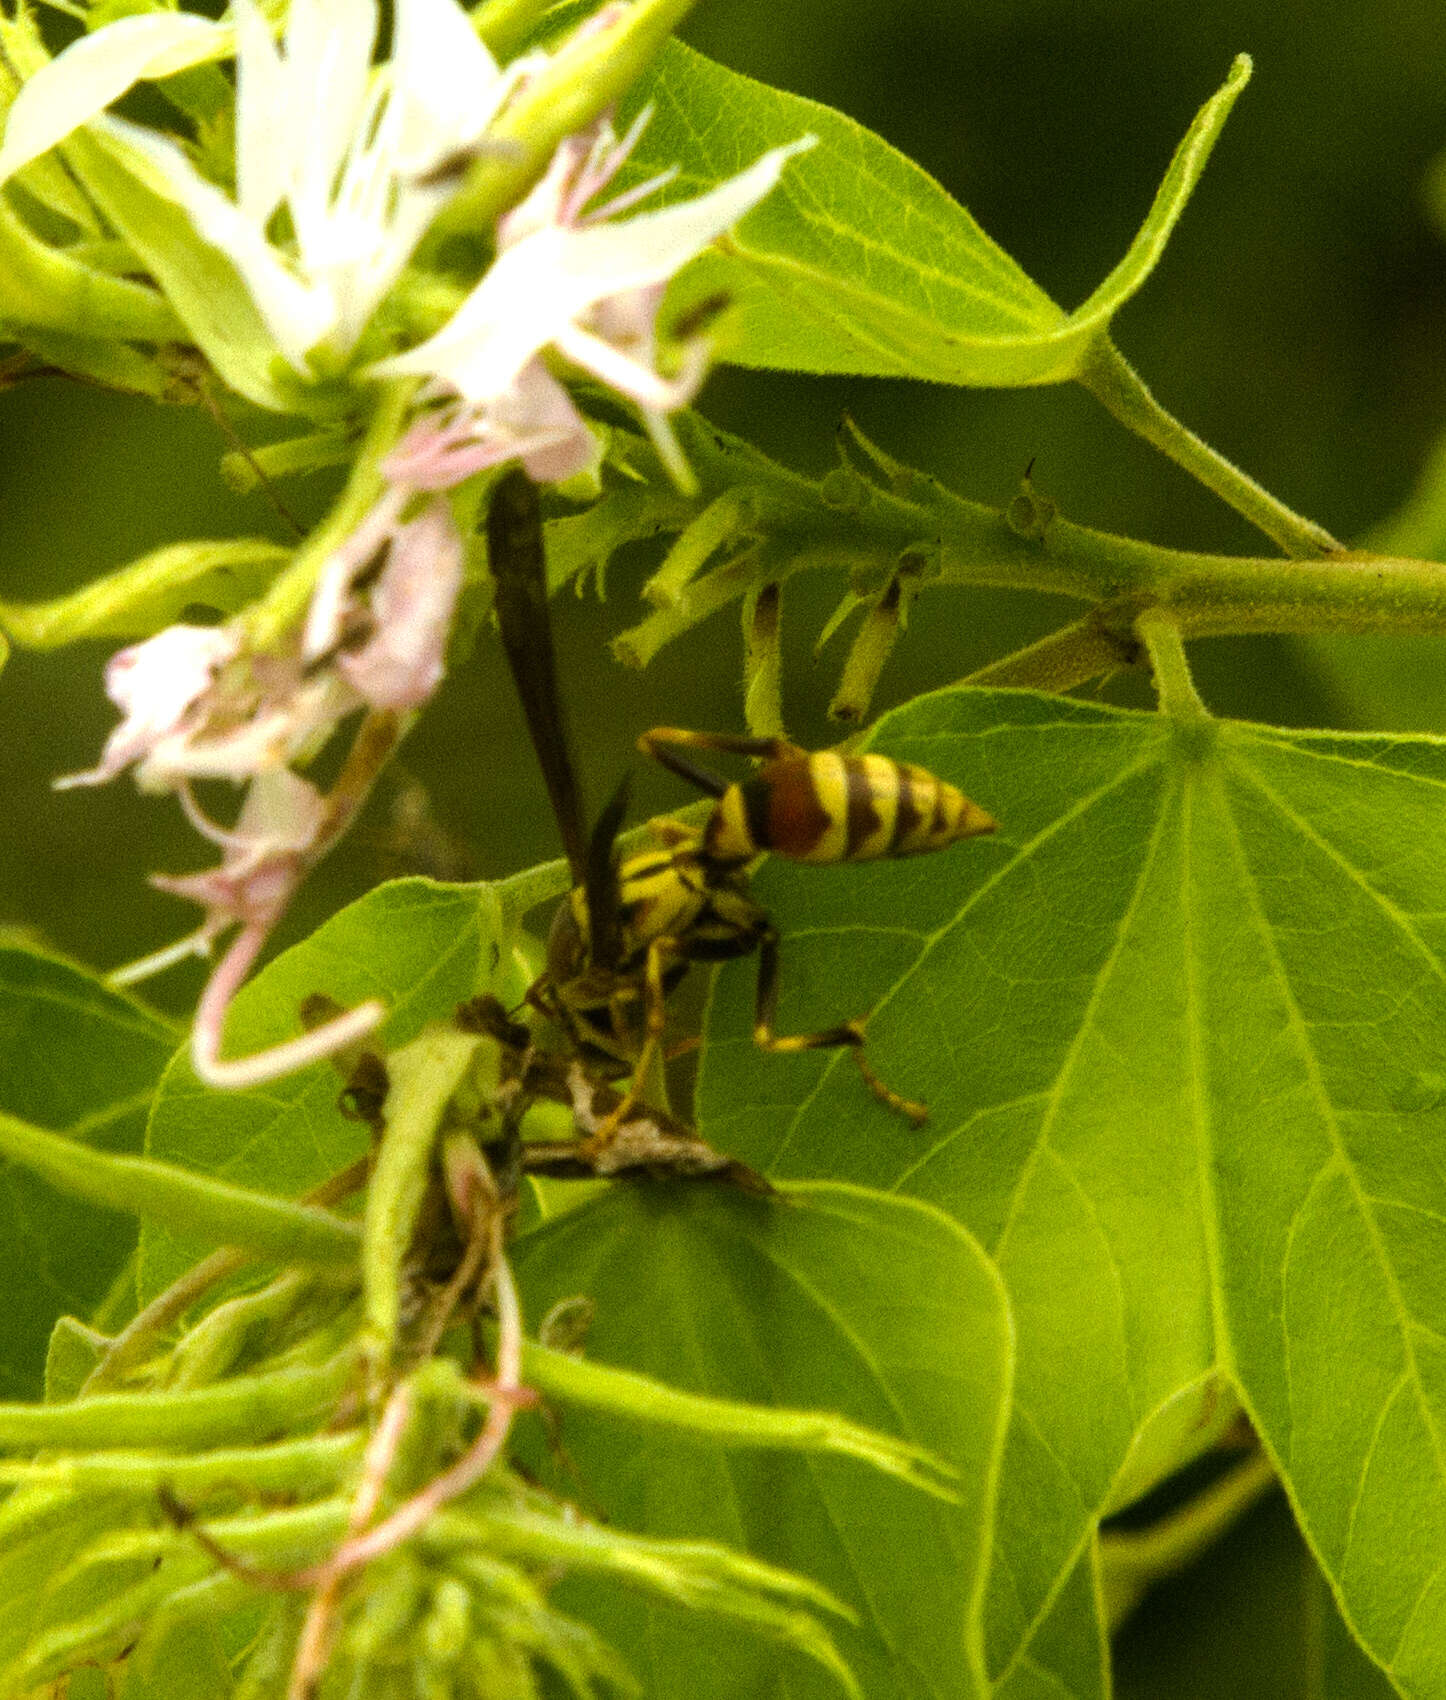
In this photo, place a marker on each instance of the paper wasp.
(629, 928)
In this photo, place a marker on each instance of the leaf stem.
(1174, 684)
(199, 1205)
(1120, 390)
(1131, 1561)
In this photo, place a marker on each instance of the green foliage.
(422, 947)
(144, 596)
(1180, 1029)
(85, 1061)
(862, 263)
(830, 1297)
(904, 1412)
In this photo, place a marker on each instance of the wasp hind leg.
(664, 743)
(849, 1034)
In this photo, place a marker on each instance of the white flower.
(389, 643)
(566, 279)
(262, 855)
(78, 84)
(347, 150)
(157, 686)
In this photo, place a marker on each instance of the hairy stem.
(1119, 389)
(1174, 683)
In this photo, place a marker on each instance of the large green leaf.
(419, 946)
(1182, 1029)
(828, 1298)
(1067, 1655)
(859, 261)
(80, 1060)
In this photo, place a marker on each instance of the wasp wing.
(519, 569)
(604, 899)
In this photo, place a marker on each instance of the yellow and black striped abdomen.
(832, 808)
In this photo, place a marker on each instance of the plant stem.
(271, 619)
(1120, 390)
(1131, 1562)
(962, 542)
(1210, 595)
(1174, 684)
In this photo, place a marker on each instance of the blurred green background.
(1298, 321)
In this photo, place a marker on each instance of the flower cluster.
(341, 165)
(197, 705)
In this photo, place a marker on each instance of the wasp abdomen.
(831, 808)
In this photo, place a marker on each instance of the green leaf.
(45, 1530)
(1182, 1029)
(829, 1299)
(859, 261)
(84, 1059)
(1067, 1657)
(73, 1352)
(419, 946)
(137, 600)
(180, 1661)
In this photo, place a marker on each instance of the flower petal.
(401, 664)
(154, 684)
(445, 84)
(555, 276)
(81, 82)
(328, 67)
(264, 149)
(651, 247)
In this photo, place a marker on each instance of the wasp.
(631, 926)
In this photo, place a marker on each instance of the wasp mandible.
(629, 928)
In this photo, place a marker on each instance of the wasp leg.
(726, 743)
(847, 1033)
(662, 953)
(664, 742)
